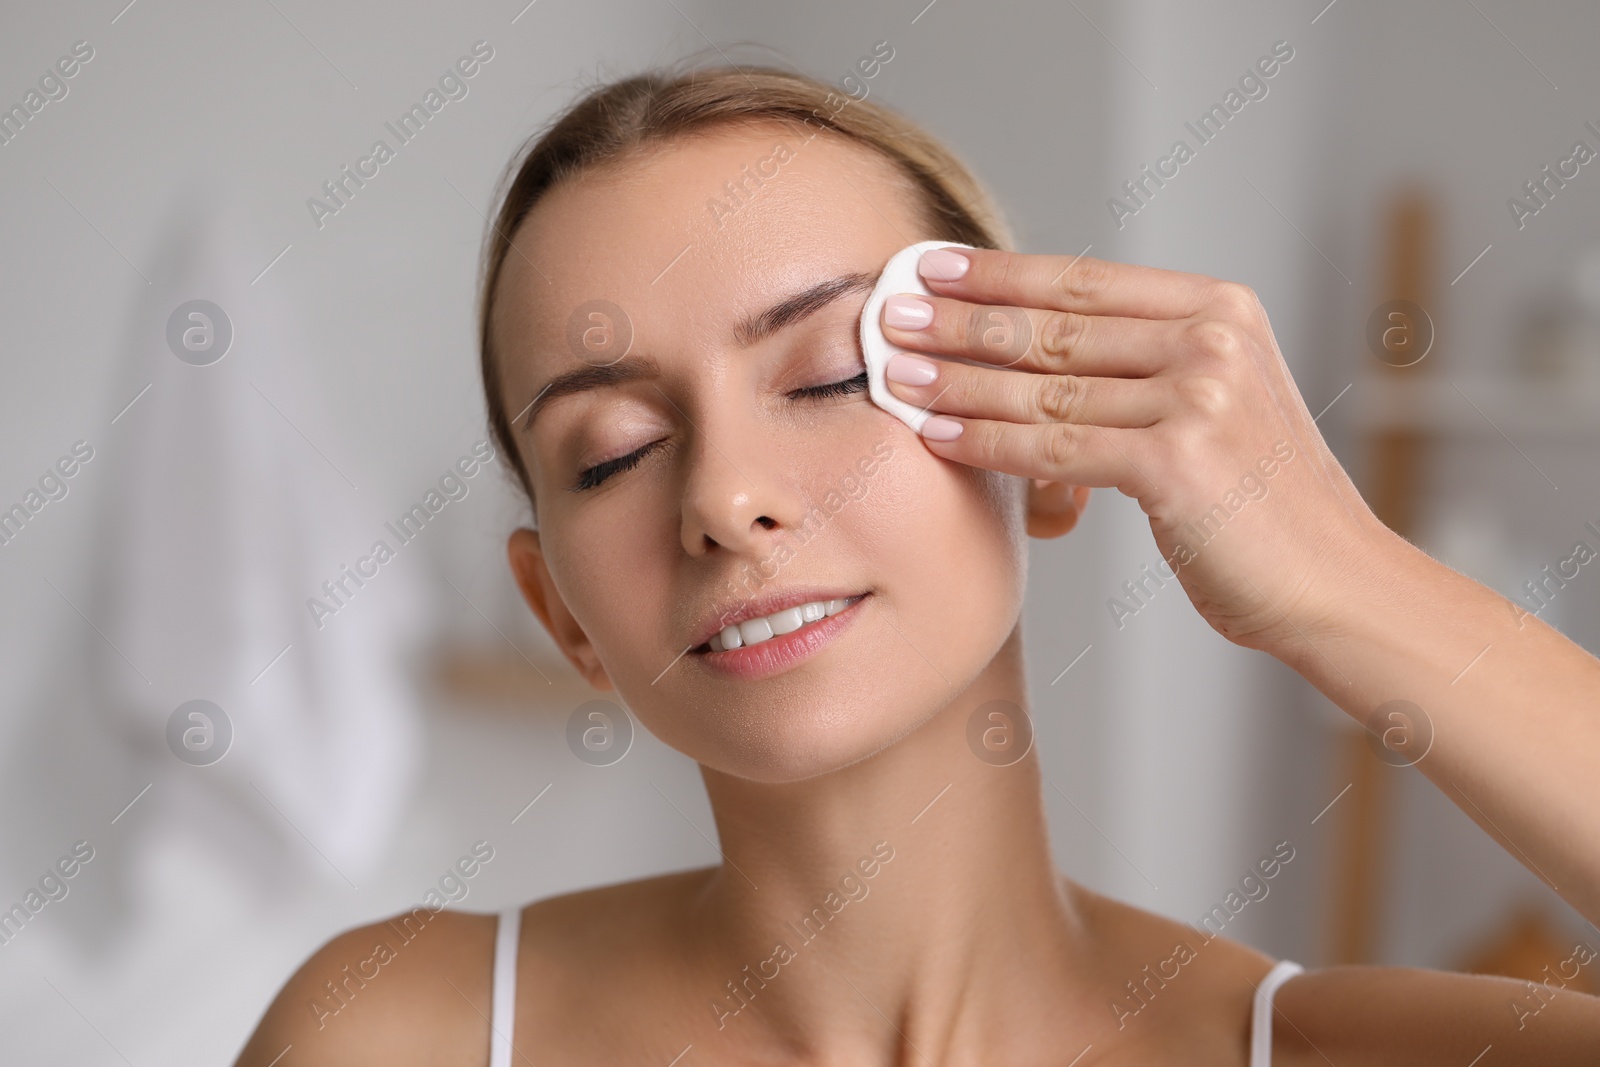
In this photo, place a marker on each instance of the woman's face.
(751, 481)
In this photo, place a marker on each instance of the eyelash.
(600, 472)
(849, 385)
(597, 474)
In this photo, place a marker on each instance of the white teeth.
(787, 621)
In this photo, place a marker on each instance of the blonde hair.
(614, 122)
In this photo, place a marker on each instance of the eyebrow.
(806, 302)
(786, 312)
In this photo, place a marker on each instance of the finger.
(1066, 283)
(1061, 452)
(981, 392)
(1053, 342)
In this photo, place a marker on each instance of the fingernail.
(910, 370)
(907, 312)
(942, 265)
(938, 428)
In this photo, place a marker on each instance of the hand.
(1165, 385)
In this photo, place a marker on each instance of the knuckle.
(1063, 333)
(1060, 445)
(1235, 300)
(987, 441)
(1082, 279)
(1008, 272)
(1218, 339)
(1058, 395)
(1208, 397)
(988, 329)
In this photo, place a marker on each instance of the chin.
(797, 731)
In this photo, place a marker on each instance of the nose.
(734, 498)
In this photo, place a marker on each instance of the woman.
(671, 358)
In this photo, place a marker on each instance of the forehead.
(688, 238)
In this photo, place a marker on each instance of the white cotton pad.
(899, 276)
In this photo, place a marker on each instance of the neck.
(892, 910)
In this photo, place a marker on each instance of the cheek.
(600, 565)
(951, 512)
(949, 534)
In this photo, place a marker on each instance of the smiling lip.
(777, 654)
(733, 612)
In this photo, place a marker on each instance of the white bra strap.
(503, 1012)
(1261, 1013)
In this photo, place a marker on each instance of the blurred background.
(216, 398)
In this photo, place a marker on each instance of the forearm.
(1514, 705)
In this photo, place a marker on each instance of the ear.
(539, 590)
(1054, 507)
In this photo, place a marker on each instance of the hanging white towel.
(235, 499)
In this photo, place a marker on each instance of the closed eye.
(849, 385)
(594, 476)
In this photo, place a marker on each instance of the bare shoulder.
(416, 988)
(624, 914)
(1136, 930)
(1173, 985)
(615, 944)
(413, 988)
(1351, 1016)
(1402, 1015)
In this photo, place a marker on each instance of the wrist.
(1373, 582)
